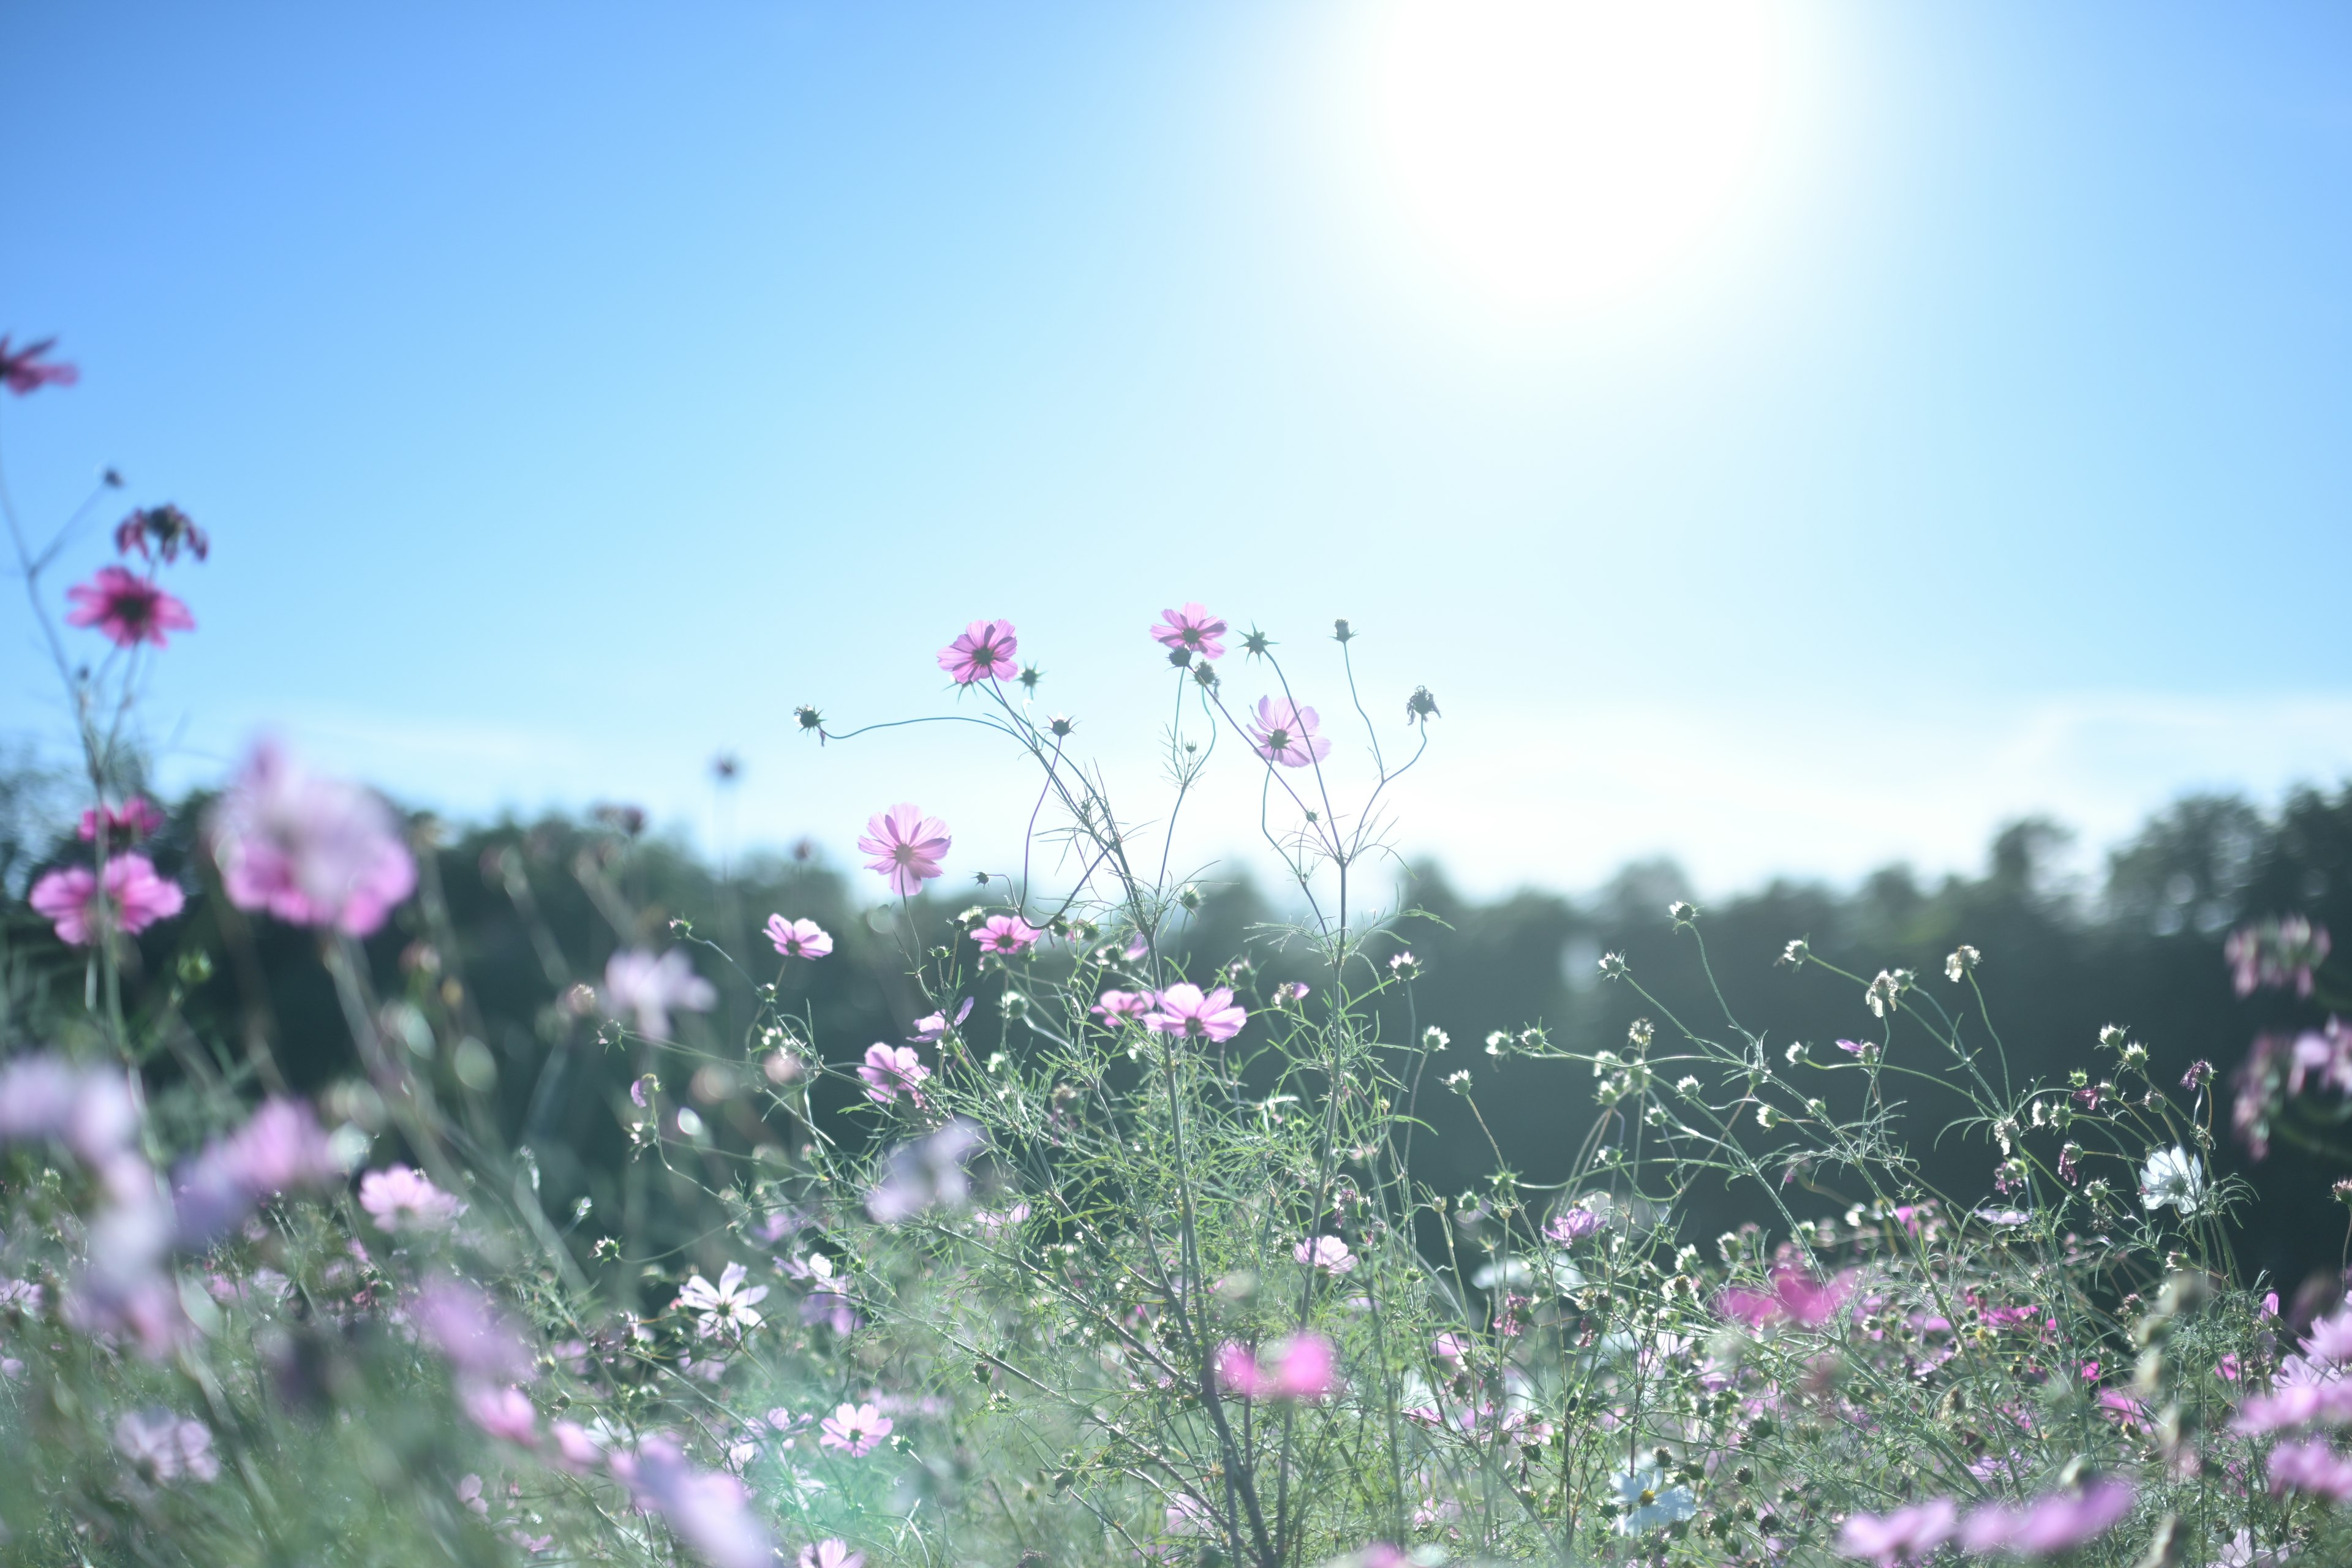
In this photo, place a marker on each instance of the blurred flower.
(905, 846)
(642, 988)
(576, 1449)
(162, 531)
(708, 1511)
(128, 608)
(1300, 1367)
(89, 1109)
(2050, 1525)
(2280, 952)
(403, 1198)
(457, 1319)
(161, 1446)
(505, 1413)
(1328, 1253)
(985, 652)
(830, 1553)
(725, 1309)
(1795, 1297)
(854, 1429)
(1190, 629)
(136, 898)
(22, 373)
(2313, 1467)
(281, 1147)
(928, 1173)
(798, 939)
(1183, 1010)
(137, 818)
(1907, 1535)
(312, 851)
(2173, 1176)
(1286, 733)
(1117, 1005)
(1006, 935)
(890, 1069)
(991, 1224)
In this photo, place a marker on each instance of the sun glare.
(1558, 155)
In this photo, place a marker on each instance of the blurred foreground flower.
(927, 1173)
(136, 898)
(643, 989)
(312, 851)
(127, 608)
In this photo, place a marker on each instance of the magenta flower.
(854, 1429)
(1117, 1005)
(642, 988)
(457, 1319)
(136, 898)
(985, 652)
(162, 531)
(1796, 1297)
(505, 1413)
(1007, 936)
(1181, 1009)
(128, 608)
(933, 1026)
(1907, 1535)
(833, 1553)
(708, 1511)
(402, 1198)
(1286, 733)
(1571, 1226)
(1301, 1367)
(907, 846)
(889, 1069)
(312, 851)
(22, 373)
(1191, 630)
(798, 939)
(2059, 1522)
(137, 819)
(1328, 1253)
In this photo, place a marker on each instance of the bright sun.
(1557, 154)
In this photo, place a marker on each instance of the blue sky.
(571, 390)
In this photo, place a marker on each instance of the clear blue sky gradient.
(571, 390)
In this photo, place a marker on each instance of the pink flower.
(1452, 1349)
(1191, 630)
(854, 1429)
(90, 1110)
(985, 652)
(708, 1511)
(926, 1172)
(1181, 1009)
(504, 1413)
(1795, 1297)
(934, 1027)
(576, 1449)
(1907, 1535)
(1328, 1253)
(1571, 1226)
(1117, 1005)
(1007, 936)
(402, 1198)
(457, 1319)
(2059, 1522)
(642, 988)
(2330, 1340)
(831, 1553)
(22, 373)
(798, 939)
(279, 1148)
(128, 608)
(889, 1069)
(2311, 1466)
(907, 846)
(1286, 734)
(137, 818)
(1301, 1367)
(161, 1446)
(165, 529)
(136, 898)
(312, 851)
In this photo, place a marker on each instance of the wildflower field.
(1109, 1253)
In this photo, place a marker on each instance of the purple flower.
(279, 1148)
(926, 1173)
(1286, 733)
(1907, 1535)
(90, 1110)
(161, 1446)
(1007, 936)
(505, 1413)
(128, 608)
(854, 1429)
(2311, 1466)
(708, 1511)
(642, 988)
(798, 939)
(985, 652)
(933, 1026)
(890, 1069)
(312, 851)
(1191, 630)
(22, 372)
(1571, 1226)
(2059, 1522)
(401, 1197)
(478, 1342)
(907, 846)
(1183, 1010)
(136, 898)
(1117, 1005)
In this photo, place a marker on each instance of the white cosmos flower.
(1650, 1503)
(2173, 1176)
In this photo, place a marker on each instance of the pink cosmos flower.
(161, 530)
(1796, 1297)
(830, 1553)
(1284, 733)
(281, 1147)
(933, 1026)
(22, 373)
(128, 608)
(1191, 630)
(137, 818)
(1007, 936)
(505, 1413)
(854, 1429)
(798, 939)
(1451, 1348)
(642, 988)
(907, 846)
(1328, 1253)
(1301, 1367)
(1183, 1010)
(136, 898)
(478, 1340)
(1117, 1005)
(403, 1198)
(889, 1069)
(708, 1511)
(2311, 1466)
(1571, 1226)
(1907, 1535)
(161, 1446)
(89, 1109)
(312, 851)
(2059, 1522)
(576, 1449)
(985, 652)
(926, 1172)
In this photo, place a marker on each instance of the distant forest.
(512, 917)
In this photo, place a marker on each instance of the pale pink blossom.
(989, 1222)
(503, 1413)
(1301, 1367)
(1796, 1297)
(854, 1429)
(1907, 1535)
(2313, 1467)
(890, 1069)
(1007, 936)
(725, 1309)
(136, 898)
(311, 851)
(1284, 733)
(127, 608)
(833, 1553)
(1328, 1253)
(401, 1197)
(137, 818)
(1191, 630)
(710, 1513)
(1118, 1005)
(161, 1448)
(92, 1110)
(2048, 1525)
(280, 1148)
(907, 846)
(798, 939)
(1571, 1226)
(934, 1027)
(643, 989)
(478, 1342)
(985, 652)
(927, 1172)
(1182, 1009)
